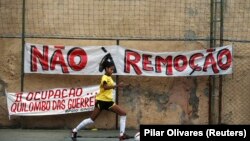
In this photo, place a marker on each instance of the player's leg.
(117, 109)
(122, 113)
(89, 120)
(86, 122)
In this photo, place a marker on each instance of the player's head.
(109, 67)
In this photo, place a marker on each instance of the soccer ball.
(137, 136)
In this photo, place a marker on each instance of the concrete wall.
(147, 100)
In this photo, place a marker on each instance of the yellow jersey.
(106, 95)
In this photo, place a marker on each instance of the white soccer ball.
(137, 136)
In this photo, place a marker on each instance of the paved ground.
(60, 135)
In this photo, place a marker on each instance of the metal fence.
(218, 21)
(119, 19)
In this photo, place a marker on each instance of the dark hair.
(107, 64)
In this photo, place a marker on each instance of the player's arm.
(106, 87)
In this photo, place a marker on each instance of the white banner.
(52, 59)
(53, 101)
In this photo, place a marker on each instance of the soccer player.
(104, 101)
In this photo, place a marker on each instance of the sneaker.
(124, 137)
(73, 134)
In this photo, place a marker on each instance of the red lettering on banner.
(57, 94)
(194, 58)
(29, 97)
(228, 55)
(57, 59)
(46, 95)
(131, 59)
(18, 97)
(39, 106)
(51, 93)
(58, 105)
(37, 96)
(146, 62)
(52, 101)
(42, 58)
(64, 93)
(73, 92)
(179, 63)
(167, 62)
(81, 102)
(210, 60)
(180, 66)
(18, 107)
(76, 59)
(81, 54)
